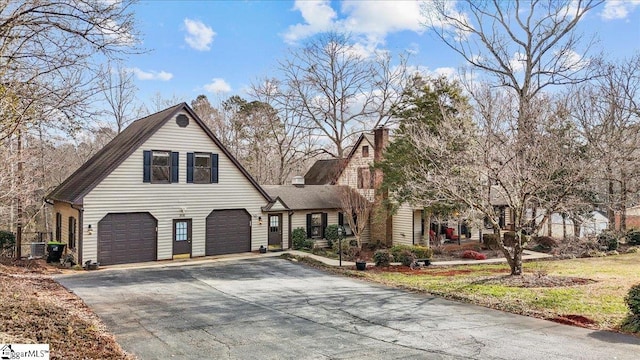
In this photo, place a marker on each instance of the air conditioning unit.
(37, 249)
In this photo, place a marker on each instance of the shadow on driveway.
(273, 309)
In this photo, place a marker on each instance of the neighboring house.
(558, 227)
(405, 226)
(164, 188)
(632, 218)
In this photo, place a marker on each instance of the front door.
(275, 231)
(181, 238)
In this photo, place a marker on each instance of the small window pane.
(160, 158)
(202, 160)
(202, 169)
(161, 166)
(160, 173)
(181, 231)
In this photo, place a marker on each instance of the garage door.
(228, 232)
(127, 238)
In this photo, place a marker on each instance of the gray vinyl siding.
(403, 226)
(124, 191)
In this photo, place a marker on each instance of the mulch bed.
(36, 309)
(535, 281)
(574, 320)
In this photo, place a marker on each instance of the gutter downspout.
(80, 232)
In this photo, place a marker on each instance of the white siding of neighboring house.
(402, 222)
(349, 175)
(66, 211)
(124, 191)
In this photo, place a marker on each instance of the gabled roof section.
(107, 159)
(324, 172)
(368, 137)
(307, 197)
(276, 205)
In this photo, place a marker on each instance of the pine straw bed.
(36, 309)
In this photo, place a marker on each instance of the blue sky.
(218, 48)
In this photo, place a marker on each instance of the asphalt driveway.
(273, 309)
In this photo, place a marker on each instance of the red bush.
(470, 254)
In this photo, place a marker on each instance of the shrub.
(608, 240)
(405, 257)
(349, 249)
(382, 257)
(299, 238)
(633, 299)
(631, 323)
(490, 241)
(509, 238)
(418, 252)
(546, 241)
(331, 234)
(7, 239)
(633, 237)
(470, 254)
(422, 252)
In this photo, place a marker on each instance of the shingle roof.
(107, 159)
(307, 197)
(324, 172)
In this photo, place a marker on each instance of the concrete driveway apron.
(274, 309)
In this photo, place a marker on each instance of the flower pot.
(361, 265)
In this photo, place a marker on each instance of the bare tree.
(524, 47)
(293, 143)
(119, 92)
(608, 114)
(337, 91)
(357, 210)
(50, 53)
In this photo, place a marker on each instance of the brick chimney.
(381, 222)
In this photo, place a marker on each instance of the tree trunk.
(610, 213)
(623, 201)
(18, 253)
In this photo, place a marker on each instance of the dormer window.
(365, 151)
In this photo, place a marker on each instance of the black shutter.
(324, 224)
(308, 226)
(340, 219)
(174, 167)
(189, 167)
(146, 173)
(214, 168)
(58, 227)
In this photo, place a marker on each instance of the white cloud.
(151, 75)
(517, 62)
(199, 36)
(618, 9)
(369, 20)
(217, 85)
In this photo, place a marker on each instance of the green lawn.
(601, 301)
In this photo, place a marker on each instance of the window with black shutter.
(72, 233)
(202, 168)
(160, 166)
(316, 223)
(58, 227)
